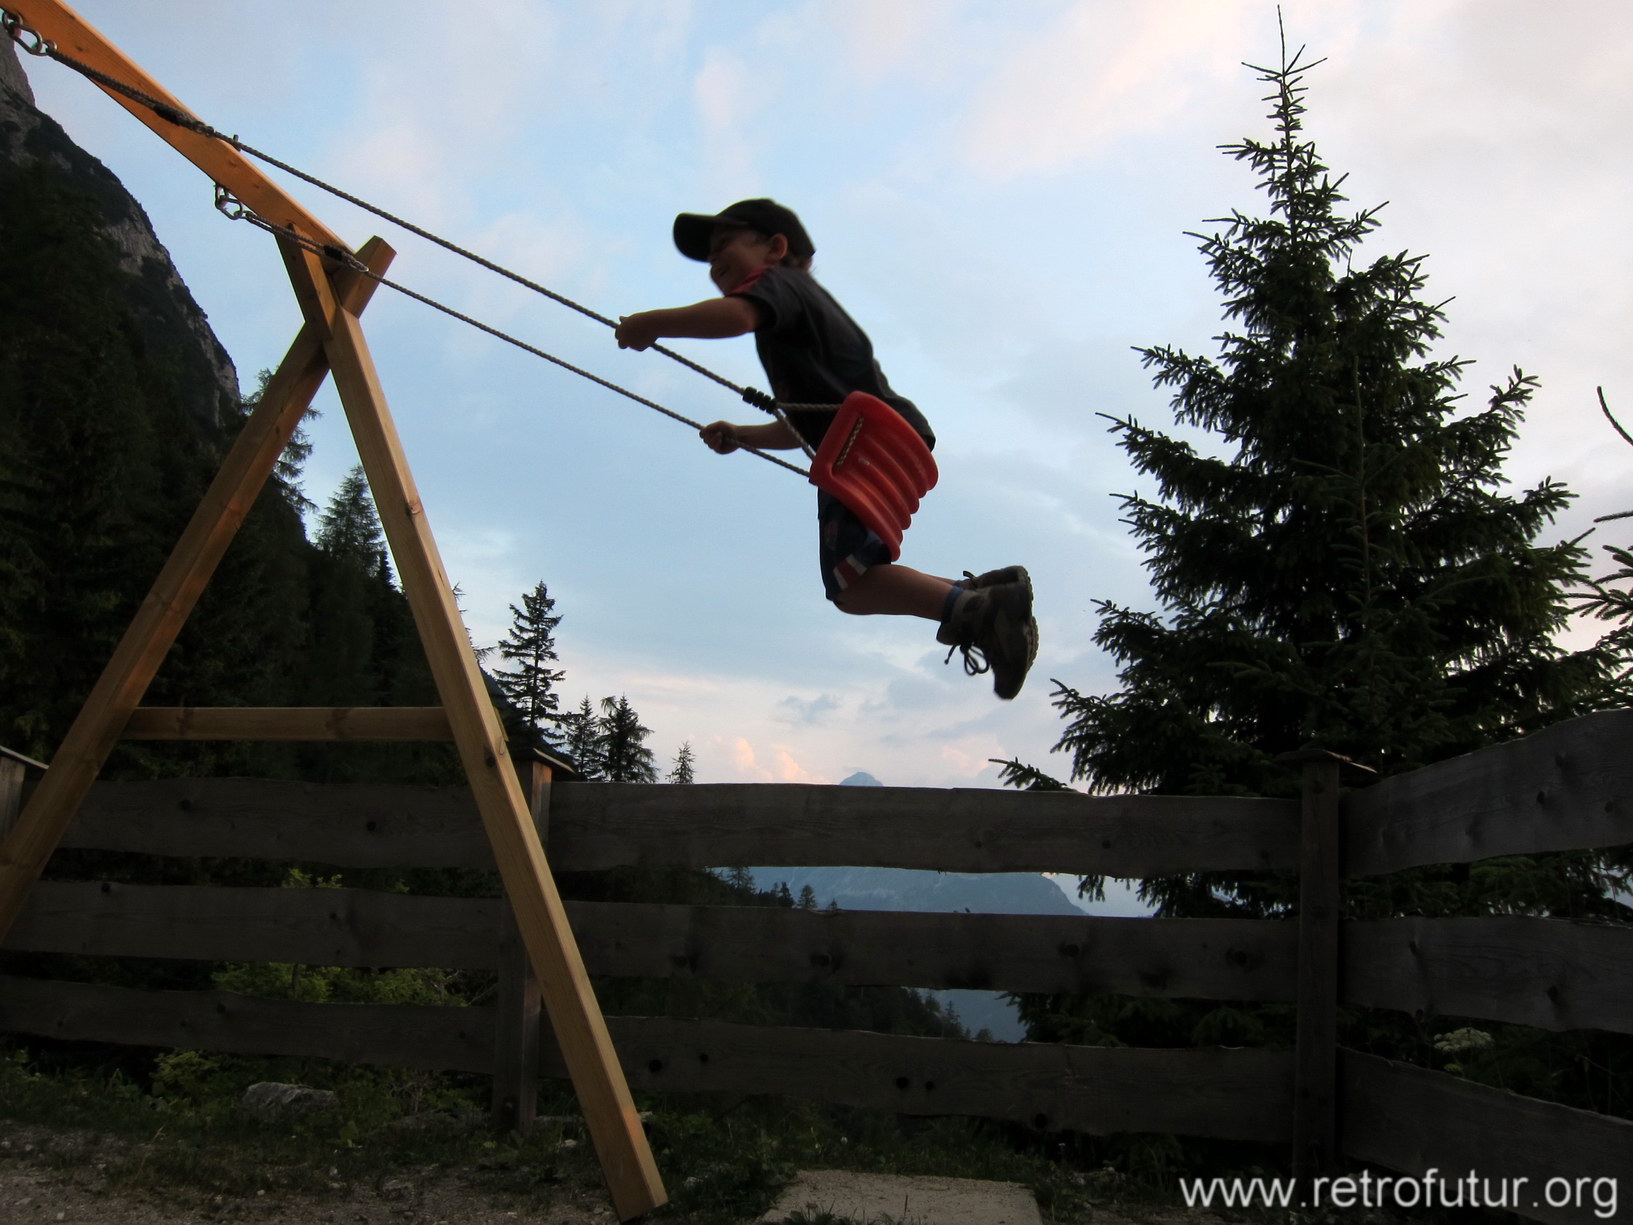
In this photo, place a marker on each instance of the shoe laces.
(975, 659)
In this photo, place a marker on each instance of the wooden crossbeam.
(288, 723)
(331, 340)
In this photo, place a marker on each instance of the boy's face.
(737, 252)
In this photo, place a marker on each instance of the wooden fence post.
(12, 765)
(11, 792)
(1315, 1060)
(518, 1004)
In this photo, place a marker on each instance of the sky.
(1001, 195)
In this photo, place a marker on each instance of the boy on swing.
(759, 257)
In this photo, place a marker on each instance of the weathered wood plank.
(1174, 958)
(1231, 1094)
(401, 1035)
(1417, 1121)
(349, 826)
(322, 927)
(1569, 787)
(595, 826)
(11, 792)
(288, 723)
(1550, 973)
(1235, 959)
(1235, 1093)
(951, 830)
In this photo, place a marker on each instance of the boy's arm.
(713, 319)
(724, 437)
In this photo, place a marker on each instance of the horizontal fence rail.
(1566, 788)
(1548, 973)
(598, 826)
(1225, 1094)
(1202, 958)
(1407, 1118)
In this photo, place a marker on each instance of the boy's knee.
(845, 602)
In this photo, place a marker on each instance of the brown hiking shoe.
(992, 578)
(996, 578)
(993, 627)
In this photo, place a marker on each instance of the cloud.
(1098, 74)
(809, 710)
(725, 98)
(788, 770)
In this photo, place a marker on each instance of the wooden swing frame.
(332, 297)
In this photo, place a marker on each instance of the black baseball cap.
(693, 231)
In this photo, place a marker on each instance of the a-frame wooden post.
(332, 341)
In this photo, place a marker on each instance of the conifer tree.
(1348, 573)
(349, 527)
(624, 755)
(682, 771)
(531, 646)
(584, 741)
(350, 548)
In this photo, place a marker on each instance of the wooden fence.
(1569, 787)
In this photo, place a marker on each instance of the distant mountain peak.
(860, 779)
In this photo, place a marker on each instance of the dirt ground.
(37, 1188)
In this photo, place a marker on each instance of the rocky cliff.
(169, 320)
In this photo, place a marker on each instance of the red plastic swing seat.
(876, 464)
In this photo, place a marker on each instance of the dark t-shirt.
(814, 353)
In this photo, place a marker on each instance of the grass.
(724, 1162)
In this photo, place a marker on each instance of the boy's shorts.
(848, 546)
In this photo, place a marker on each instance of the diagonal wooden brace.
(575, 1016)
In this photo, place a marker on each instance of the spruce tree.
(349, 527)
(625, 757)
(1348, 572)
(531, 646)
(350, 548)
(682, 771)
(584, 741)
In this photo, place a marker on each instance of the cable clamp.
(760, 400)
(230, 205)
(20, 34)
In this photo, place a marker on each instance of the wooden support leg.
(97, 727)
(518, 1006)
(592, 1063)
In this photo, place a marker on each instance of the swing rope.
(232, 208)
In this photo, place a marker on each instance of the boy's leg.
(989, 615)
(894, 589)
